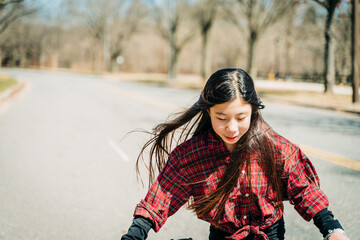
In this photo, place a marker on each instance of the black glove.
(138, 230)
(325, 221)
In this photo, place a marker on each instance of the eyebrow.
(223, 114)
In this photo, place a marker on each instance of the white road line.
(118, 150)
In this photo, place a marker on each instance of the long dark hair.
(223, 86)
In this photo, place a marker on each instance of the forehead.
(235, 106)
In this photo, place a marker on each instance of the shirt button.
(244, 217)
(246, 195)
(243, 171)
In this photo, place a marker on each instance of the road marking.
(118, 150)
(331, 157)
(323, 155)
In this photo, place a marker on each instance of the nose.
(232, 126)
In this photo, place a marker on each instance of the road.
(67, 164)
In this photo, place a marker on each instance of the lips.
(231, 138)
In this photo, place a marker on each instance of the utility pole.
(355, 50)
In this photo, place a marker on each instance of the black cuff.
(325, 221)
(138, 230)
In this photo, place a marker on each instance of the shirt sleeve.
(168, 193)
(303, 186)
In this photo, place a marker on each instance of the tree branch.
(17, 11)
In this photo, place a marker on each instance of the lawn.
(6, 82)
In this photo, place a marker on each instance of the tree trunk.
(98, 57)
(113, 65)
(172, 67)
(205, 63)
(106, 54)
(329, 53)
(1, 58)
(173, 56)
(329, 63)
(251, 67)
(289, 43)
(355, 51)
(93, 60)
(24, 59)
(331, 67)
(55, 42)
(54, 60)
(277, 58)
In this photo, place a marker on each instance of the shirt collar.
(214, 141)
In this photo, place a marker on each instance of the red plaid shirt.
(203, 159)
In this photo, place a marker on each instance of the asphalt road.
(67, 164)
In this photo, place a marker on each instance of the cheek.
(217, 126)
(245, 125)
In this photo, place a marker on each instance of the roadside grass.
(156, 82)
(6, 82)
(306, 96)
(337, 102)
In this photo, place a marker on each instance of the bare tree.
(259, 16)
(355, 50)
(96, 23)
(123, 25)
(342, 36)
(23, 45)
(11, 10)
(112, 23)
(289, 41)
(170, 16)
(329, 51)
(307, 46)
(205, 15)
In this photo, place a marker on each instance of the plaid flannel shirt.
(202, 160)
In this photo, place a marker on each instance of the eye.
(241, 118)
(221, 119)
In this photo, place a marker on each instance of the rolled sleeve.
(304, 186)
(168, 193)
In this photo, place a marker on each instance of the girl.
(232, 169)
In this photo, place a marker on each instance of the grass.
(315, 99)
(6, 82)
(157, 82)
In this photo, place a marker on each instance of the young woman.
(231, 168)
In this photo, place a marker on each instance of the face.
(231, 120)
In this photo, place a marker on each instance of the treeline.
(268, 38)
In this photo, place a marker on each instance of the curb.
(12, 91)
